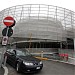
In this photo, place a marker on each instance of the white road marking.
(6, 70)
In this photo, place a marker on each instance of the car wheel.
(18, 68)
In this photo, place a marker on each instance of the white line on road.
(6, 70)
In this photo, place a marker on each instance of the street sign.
(7, 31)
(8, 21)
(5, 40)
(13, 24)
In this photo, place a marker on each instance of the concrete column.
(74, 48)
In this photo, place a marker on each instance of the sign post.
(7, 32)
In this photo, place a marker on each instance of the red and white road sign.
(5, 40)
(8, 21)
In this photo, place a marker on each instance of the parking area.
(50, 68)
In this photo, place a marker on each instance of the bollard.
(5, 59)
(42, 54)
(66, 57)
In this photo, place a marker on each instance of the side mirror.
(13, 53)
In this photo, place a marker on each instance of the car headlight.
(27, 63)
(40, 62)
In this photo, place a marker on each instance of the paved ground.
(50, 68)
(1, 71)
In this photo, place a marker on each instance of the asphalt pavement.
(1, 71)
(50, 68)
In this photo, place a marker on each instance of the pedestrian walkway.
(1, 71)
(71, 60)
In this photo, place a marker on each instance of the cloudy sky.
(69, 4)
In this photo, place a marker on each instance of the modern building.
(41, 26)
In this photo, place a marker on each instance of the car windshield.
(22, 53)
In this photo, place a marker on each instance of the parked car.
(23, 61)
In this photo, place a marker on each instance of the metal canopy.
(42, 21)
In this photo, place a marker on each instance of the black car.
(23, 61)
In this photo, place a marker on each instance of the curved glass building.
(45, 24)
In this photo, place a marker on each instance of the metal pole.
(30, 41)
(74, 49)
(61, 46)
(2, 56)
(3, 51)
(5, 59)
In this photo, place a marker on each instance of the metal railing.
(55, 57)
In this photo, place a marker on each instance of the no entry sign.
(8, 21)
